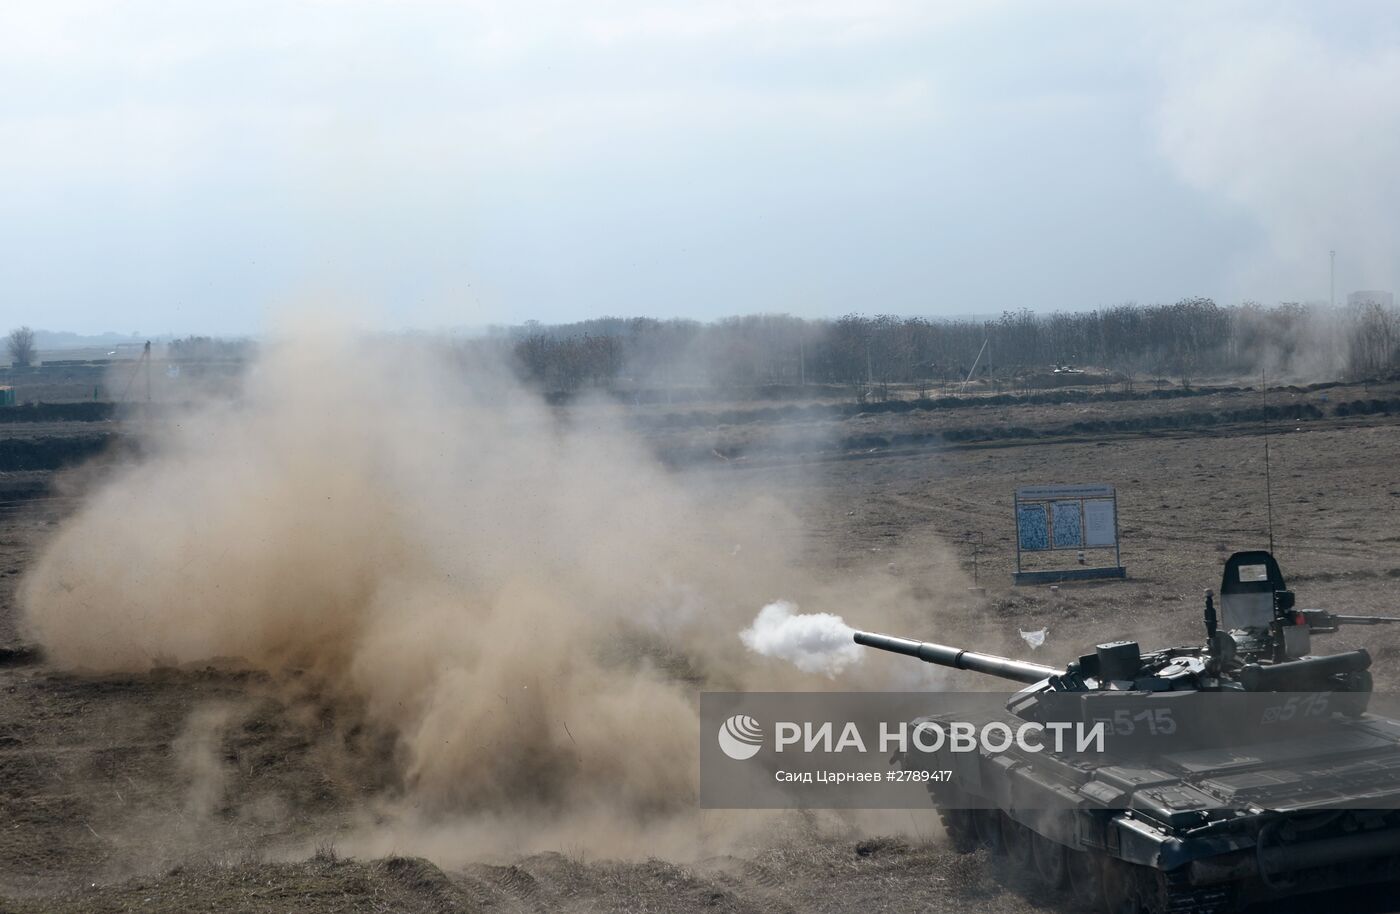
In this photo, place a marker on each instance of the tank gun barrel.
(942, 655)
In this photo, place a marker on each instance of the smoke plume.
(813, 642)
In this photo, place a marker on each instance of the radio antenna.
(1268, 481)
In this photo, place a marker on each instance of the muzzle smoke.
(813, 642)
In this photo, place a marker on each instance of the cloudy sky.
(198, 167)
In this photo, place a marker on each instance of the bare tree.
(21, 347)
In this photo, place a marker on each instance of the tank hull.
(1201, 829)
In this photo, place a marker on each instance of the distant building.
(1372, 297)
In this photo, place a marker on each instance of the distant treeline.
(1192, 338)
(207, 348)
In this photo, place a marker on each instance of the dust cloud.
(198, 758)
(523, 600)
(1294, 130)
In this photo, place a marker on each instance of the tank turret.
(1256, 641)
(1242, 769)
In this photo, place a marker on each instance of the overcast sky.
(200, 166)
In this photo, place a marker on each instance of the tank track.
(1184, 898)
(1140, 889)
(957, 824)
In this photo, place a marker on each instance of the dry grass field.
(209, 787)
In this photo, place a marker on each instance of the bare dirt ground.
(103, 806)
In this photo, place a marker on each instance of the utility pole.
(1268, 480)
(991, 381)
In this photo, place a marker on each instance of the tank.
(1244, 769)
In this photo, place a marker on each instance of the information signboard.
(1077, 517)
